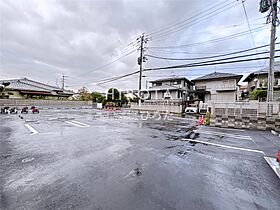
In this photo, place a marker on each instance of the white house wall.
(212, 87)
(159, 95)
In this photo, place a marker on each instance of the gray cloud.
(44, 39)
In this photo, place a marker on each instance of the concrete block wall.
(246, 122)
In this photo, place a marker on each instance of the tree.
(116, 97)
(97, 97)
(2, 90)
(257, 94)
(84, 95)
(113, 95)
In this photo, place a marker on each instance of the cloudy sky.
(89, 40)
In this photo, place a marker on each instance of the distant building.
(217, 87)
(258, 79)
(177, 89)
(26, 88)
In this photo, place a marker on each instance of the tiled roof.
(31, 85)
(217, 75)
(39, 84)
(263, 71)
(22, 85)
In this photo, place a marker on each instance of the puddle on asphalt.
(137, 171)
(27, 160)
(173, 146)
(182, 153)
(154, 136)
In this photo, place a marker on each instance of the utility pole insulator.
(139, 61)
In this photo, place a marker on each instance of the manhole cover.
(26, 160)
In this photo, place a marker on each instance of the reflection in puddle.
(28, 159)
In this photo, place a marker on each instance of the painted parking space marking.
(86, 125)
(33, 130)
(81, 125)
(225, 134)
(225, 146)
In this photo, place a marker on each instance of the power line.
(173, 29)
(230, 58)
(168, 26)
(207, 57)
(117, 78)
(249, 27)
(110, 63)
(206, 64)
(184, 66)
(211, 40)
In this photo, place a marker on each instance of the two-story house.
(217, 87)
(258, 79)
(177, 89)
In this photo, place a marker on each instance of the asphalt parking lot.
(89, 159)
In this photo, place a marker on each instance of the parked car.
(24, 110)
(191, 110)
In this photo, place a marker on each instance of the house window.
(175, 82)
(179, 94)
(158, 84)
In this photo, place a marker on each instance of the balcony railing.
(225, 88)
(200, 87)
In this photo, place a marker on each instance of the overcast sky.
(44, 39)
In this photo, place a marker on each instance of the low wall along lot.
(44, 103)
(249, 122)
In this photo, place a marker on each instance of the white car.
(191, 110)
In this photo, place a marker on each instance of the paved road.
(88, 159)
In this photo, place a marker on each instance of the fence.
(165, 106)
(243, 108)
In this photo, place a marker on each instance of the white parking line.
(225, 134)
(225, 146)
(80, 123)
(71, 123)
(33, 130)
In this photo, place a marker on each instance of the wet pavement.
(89, 159)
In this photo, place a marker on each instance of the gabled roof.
(39, 84)
(218, 76)
(172, 79)
(262, 72)
(21, 84)
(34, 86)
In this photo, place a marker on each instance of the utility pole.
(265, 5)
(141, 59)
(63, 81)
(271, 58)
